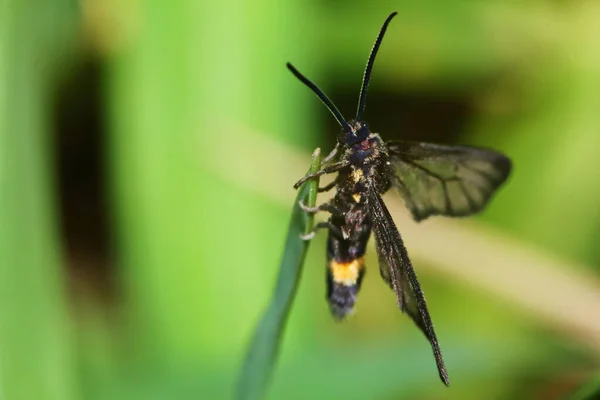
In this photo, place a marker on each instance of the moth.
(432, 179)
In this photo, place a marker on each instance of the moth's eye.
(347, 137)
(363, 132)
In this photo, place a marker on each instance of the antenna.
(328, 103)
(367, 76)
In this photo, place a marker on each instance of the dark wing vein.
(436, 179)
(396, 269)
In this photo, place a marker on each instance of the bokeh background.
(147, 155)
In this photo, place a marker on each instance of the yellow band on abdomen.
(346, 273)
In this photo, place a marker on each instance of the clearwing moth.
(432, 179)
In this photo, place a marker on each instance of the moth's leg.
(328, 207)
(328, 187)
(327, 170)
(332, 154)
(322, 225)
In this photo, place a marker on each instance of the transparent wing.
(396, 269)
(436, 179)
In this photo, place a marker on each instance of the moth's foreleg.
(322, 225)
(331, 155)
(327, 170)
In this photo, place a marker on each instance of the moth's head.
(354, 132)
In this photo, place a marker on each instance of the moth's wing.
(396, 269)
(436, 179)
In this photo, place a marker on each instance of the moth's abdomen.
(343, 284)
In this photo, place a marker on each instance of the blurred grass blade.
(587, 391)
(262, 352)
(36, 346)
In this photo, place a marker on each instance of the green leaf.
(262, 353)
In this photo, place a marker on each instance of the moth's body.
(432, 180)
(346, 245)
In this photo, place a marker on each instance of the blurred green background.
(147, 155)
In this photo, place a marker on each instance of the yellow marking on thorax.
(346, 273)
(357, 174)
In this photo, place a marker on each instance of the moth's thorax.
(366, 151)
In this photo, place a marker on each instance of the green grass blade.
(262, 353)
